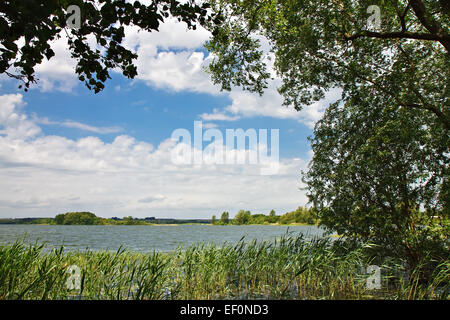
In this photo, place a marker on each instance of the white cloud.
(42, 175)
(175, 71)
(58, 73)
(218, 116)
(85, 127)
(247, 105)
(77, 125)
(13, 122)
(174, 59)
(181, 68)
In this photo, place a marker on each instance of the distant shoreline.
(167, 224)
(299, 217)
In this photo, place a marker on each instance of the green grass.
(288, 268)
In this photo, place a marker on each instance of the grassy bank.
(290, 268)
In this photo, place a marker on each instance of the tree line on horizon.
(77, 218)
(244, 217)
(89, 218)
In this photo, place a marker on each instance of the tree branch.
(399, 35)
(436, 32)
(429, 23)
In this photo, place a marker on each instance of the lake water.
(145, 238)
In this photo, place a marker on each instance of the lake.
(145, 238)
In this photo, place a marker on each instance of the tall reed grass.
(287, 268)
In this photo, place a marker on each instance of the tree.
(225, 218)
(287, 218)
(213, 220)
(320, 45)
(242, 217)
(38, 22)
(77, 218)
(130, 220)
(272, 218)
(59, 219)
(257, 219)
(381, 153)
(380, 174)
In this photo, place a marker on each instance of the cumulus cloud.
(42, 175)
(13, 122)
(247, 105)
(174, 59)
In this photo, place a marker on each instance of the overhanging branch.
(398, 35)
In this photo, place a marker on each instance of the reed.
(287, 268)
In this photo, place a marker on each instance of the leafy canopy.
(380, 166)
(27, 28)
(380, 174)
(320, 45)
(77, 218)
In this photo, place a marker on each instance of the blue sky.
(64, 148)
(149, 114)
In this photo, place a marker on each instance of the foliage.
(242, 217)
(320, 45)
(26, 221)
(258, 219)
(288, 268)
(380, 167)
(77, 218)
(272, 218)
(131, 221)
(380, 174)
(225, 218)
(28, 27)
(300, 215)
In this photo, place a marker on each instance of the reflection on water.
(144, 238)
